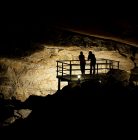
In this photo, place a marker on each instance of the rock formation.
(33, 72)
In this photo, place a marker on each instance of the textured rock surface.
(18, 114)
(32, 71)
(118, 75)
(36, 74)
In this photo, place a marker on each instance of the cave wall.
(36, 74)
(32, 71)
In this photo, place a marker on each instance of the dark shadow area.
(16, 44)
(87, 105)
(75, 108)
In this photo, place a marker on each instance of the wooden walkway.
(69, 70)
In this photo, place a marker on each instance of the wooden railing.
(72, 67)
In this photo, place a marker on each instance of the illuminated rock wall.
(36, 74)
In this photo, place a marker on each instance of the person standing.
(82, 62)
(92, 59)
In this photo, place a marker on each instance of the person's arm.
(84, 60)
(88, 57)
(79, 57)
(94, 58)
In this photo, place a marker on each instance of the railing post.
(106, 67)
(110, 65)
(57, 68)
(62, 69)
(97, 68)
(59, 84)
(118, 64)
(70, 69)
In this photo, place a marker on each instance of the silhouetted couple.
(92, 59)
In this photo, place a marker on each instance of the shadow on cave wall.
(17, 44)
(20, 44)
(18, 49)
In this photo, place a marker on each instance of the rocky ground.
(85, 101)
(28, 82)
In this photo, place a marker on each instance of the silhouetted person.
(82, 62)
(92, 59)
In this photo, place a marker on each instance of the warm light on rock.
(36, 74)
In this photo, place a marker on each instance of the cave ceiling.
(106, 25)
(122, 28)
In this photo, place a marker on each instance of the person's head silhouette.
(90, 52)
(81, 53)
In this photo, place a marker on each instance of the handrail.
(86, 60)
(100, 59)
(69, 66)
